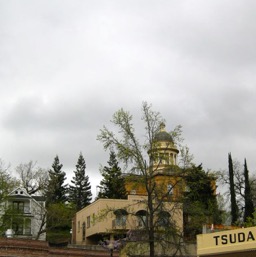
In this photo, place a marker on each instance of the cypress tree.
(80, 192)
(234, 207)
(113, 184)
(248, 203)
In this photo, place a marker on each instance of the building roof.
(162, 135)
(39, 198)
(20, 193)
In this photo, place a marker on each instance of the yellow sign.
(227, 241)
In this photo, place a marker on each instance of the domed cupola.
(164, 152)
(162, 135)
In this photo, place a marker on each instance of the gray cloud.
(67, 66)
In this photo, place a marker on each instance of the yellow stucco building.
(106, 217)
(115, 218)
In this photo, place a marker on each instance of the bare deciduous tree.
(33, 178)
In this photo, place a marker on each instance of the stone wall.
(11, 247)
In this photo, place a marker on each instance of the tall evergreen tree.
(112, 185)
(234, 207)
(248, 202)
(56, 190)
(80, 192)
(200, 203)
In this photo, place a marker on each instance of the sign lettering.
(234, 238)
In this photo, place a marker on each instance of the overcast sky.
(67, 65)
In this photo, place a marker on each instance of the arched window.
(163, 218)
(121, 216)
(141, 218)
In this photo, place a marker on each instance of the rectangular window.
(78, 226)
(88, 221)
(121, 220)
(93, 219)
(83, 230)
(27, 227)
(169, 189)
(18, 206)
(17, 226)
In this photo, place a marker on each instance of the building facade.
(106, 218)
(24, 215)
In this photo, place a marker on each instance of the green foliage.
(56, 190)
(200, 203)
(234, 207)
(59, 220)
(113, 184)
(80, 192)
(14, 218)
(186, 158)
(200, 185)
(59, 214)
(251, 220)
(241, 194)
(248, 201)
(128, 148)
(11, 216)
(7, 182)
(135, 155)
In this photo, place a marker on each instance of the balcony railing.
(119, 223)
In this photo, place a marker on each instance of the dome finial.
(162, 135)
(162, 126)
